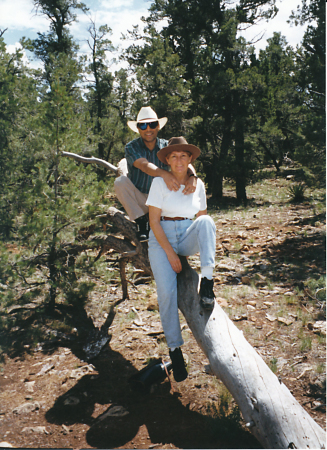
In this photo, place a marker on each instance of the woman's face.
(179, 161)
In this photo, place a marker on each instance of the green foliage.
(311, 75)
(160, 79)
(18, 133)
(245, 112)
(297, 192)
(273, 365)
(226, 413)
(317, 288)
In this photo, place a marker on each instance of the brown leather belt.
(173, 218)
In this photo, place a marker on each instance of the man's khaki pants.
(130, 197)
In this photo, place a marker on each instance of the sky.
(20, 20)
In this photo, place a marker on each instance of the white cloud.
(121, 15)
(19, 15)
(118, 17)
(278, 24)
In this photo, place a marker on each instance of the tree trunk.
(272, 414)
(241, 170)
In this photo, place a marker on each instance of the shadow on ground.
(166, 418)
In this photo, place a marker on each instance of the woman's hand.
(175, 262)
(154, 216)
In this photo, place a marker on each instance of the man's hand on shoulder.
(190, 185)
(171, 181)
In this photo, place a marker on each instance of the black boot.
(179, 369)
(143, 228)
(207, 295)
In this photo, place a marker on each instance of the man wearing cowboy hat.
(143, 165)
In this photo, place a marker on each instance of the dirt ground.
(51, 397)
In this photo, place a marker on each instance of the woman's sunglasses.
(144, 125)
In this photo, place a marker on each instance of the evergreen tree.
(160, 80)
(115, 131)
(311, 73)
(280, 107)
(61, 196)
(204, 35)
(101, 84)
(58, 41)
(19, 144)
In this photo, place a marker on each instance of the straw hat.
(178, 144)
(146, 114)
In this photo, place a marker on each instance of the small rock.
(320, 327)
(250, 308)
(29, 385)
(65, 429)
(246, 280)
(71, 401)
(37, 430)
(241, 317)
(252, 303)
(271, 318)
(45, 369)
(268, 303)
(81, 371)
(285, 321)
(113, 411)
(222, 302)
(26, 408)
(5, 444)
(152, 304)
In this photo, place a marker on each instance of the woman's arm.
(201, 213)
(154, 218)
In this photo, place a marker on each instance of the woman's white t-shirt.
(177, 204)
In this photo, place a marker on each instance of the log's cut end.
(122, 168)
(273, 415)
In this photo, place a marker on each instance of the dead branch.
(92, 160)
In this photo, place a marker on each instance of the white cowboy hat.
(146, 114)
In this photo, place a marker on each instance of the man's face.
(149, 135)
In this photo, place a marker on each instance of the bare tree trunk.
(272, 414)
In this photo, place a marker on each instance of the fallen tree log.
(270, 411)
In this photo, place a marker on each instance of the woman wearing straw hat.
(143, 165)
(174, 232)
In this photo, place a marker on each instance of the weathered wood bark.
(272, 414)
(138, 252)
(91, 160)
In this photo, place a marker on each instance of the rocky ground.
(52, 397)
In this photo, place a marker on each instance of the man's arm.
(151, 169)
(190, 184)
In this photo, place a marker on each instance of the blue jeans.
(187, 237)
